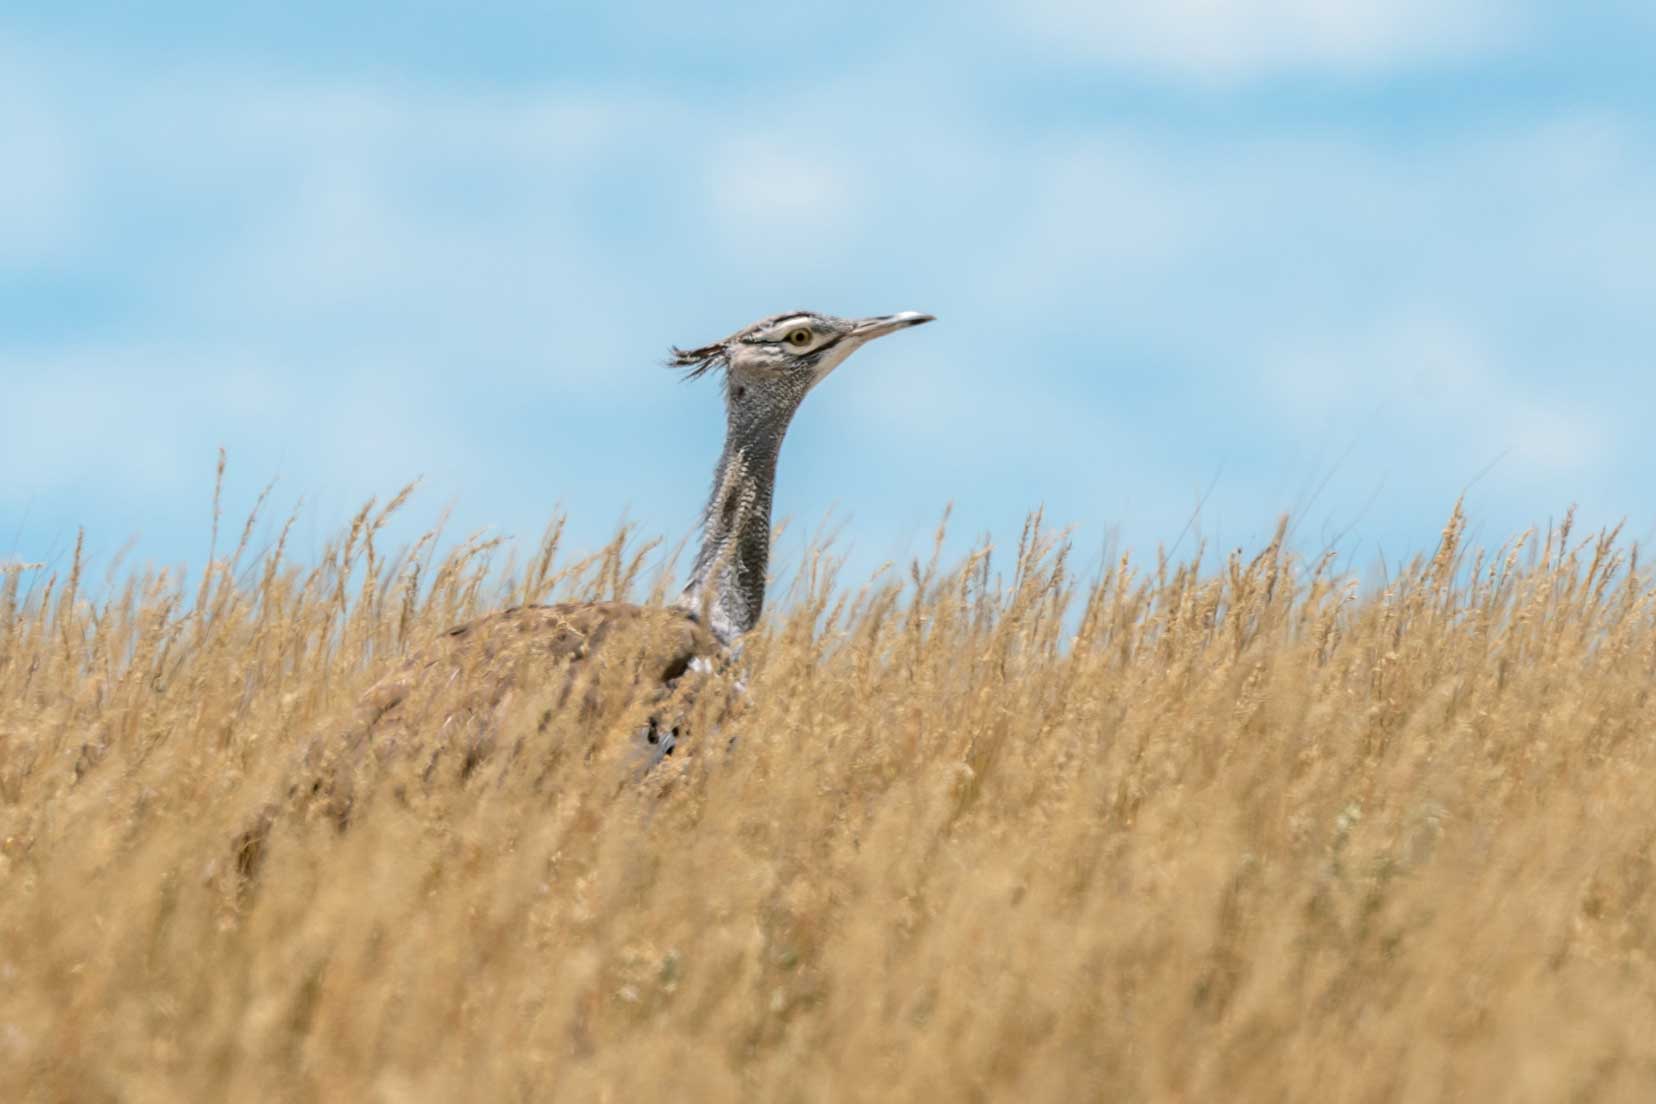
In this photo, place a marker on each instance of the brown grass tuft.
(995, 831)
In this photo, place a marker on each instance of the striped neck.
(727, 581)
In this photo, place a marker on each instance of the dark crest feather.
(697, 362)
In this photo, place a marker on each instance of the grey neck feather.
(727, 581)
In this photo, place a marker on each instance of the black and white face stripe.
(824, 334)
(781, 323)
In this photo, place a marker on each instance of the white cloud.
(351, 285)
(1431, 384)
(77, 416)
(1099, 214)
(42, 197)
(1228, 42)
(780, 195)
(117, 434)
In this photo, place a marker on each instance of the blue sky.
(1347, 259)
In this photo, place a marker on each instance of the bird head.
(788, 354)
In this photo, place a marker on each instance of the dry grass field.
(1010, 829)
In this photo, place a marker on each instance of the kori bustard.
(469, 675)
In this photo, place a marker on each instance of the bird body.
(473, 672)
(491, 650)
(574, 659)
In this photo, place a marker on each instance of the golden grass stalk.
(991, 832)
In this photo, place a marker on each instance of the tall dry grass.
(997, 831)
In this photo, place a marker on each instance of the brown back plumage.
(582, 665)
(472, 671)
(448, 705)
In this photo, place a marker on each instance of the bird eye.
(799, 338)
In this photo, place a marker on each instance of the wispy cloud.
(1229, 42)
(777, 195)
(351, 280)
(42, 189)
(1436, 387)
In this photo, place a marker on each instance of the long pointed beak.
(887, 323)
